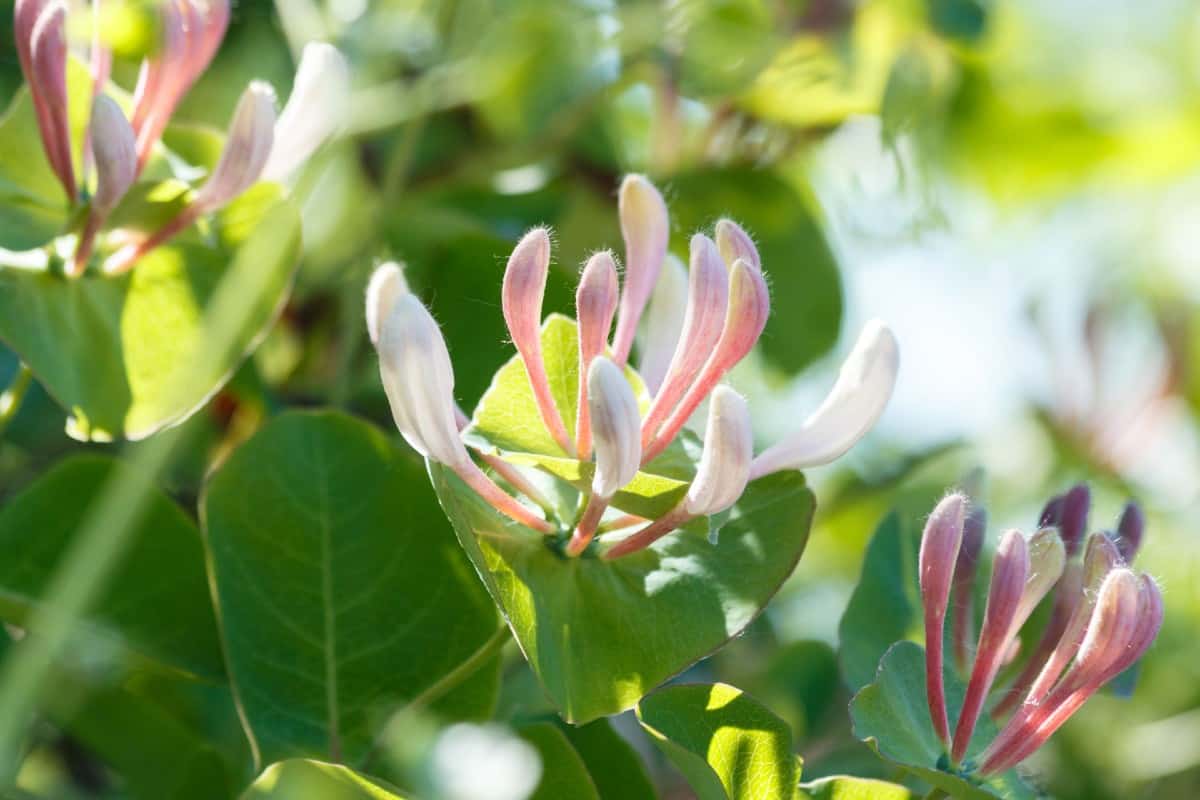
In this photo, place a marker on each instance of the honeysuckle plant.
(1103, 616)
(591, 501)
(119, 186)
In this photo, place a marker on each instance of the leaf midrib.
(330, 615)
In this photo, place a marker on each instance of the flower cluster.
(259, 146)
(1104, 616)
(725, 305)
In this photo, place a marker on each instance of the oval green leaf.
(341, 593)
(304, 779)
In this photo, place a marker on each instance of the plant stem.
(11, 398)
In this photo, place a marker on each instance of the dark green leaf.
(341, 592)
(892, 716)
(614, 765)
(725, 743)
(157, 603)
(806, 290)
(885, 606)
(564, 773)
(302, 779)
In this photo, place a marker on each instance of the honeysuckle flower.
(1109, 618)
(315, 110)
(663, 323)
(726, 308)
(735, 243)
(940, 547)
(644, 226)
(863, 387)
(963, 597)
(595, 305)
(418, 378)
(259, 146)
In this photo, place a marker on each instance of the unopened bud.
(735, 243)
(251, 132)
(940, 545)
(616, 427)
(724, 465)
(1072, 523)
(1130, 529)
(858, 398)
(595, 304)
(40, 29)
(387, 285)
(664, 323)
(115, 154)
(1047, 558)
(645, 229)
(315, 110)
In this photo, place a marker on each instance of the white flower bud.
(663, 324)
(115, 153)
(616, 427)
(724, 465)
(387, 284)
(251, 133)
(315, 110)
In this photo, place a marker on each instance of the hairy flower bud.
(595, 304)
(315, 110)
(645, 229)
(1047, 558)
(115, 154)
(861, 392)
(251, 132)
(1130, 529)
(387, 285)
(724, 465)
(664, 323)
(940, 546)
(616, 426)
(735, 243)
(40, 31)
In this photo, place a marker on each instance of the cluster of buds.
(726, 304)
(1103, 618)
(259, 146)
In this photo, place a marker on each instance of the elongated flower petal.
(940, 545)
(859, 396)
(1010, 570)
(703, 321)
(749, 307)
(645, 229)
(724, 466)
(115, 154)
(1130, 529)
(595, 304)
(521, 298)
(419, 380)
(40, 29)
(251, 133)
(663, 324)
(735, 243)
(616, 427)
(315, 110)
(974, 528)
(387, 285)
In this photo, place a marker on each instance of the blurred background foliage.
(1013, 184)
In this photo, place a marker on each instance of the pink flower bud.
(735, 243)
(645, 229)
(40, 31)
(1010, 570)
(724, 467)
(708, 302)
(387, 284)
(595, 304)
(247, 147)
(315, 110)
(974, 528)
(1047, 558)
(1072, 523)
(1130, 529)
(521, 298)
(664, 323)
(616, 427)
(858, 398)
(940, 545)
(115, 154)
(745, 317)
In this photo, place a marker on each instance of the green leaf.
(601, 634)
(892, 716)
(564, 773)
(157, 604)
(614, 765)
(845, 787)
(303, 779)
(725, 43)
(341, 593)
(35, 206)
(120, 353)
(806, 289)
(727, 745)
(885, 606)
